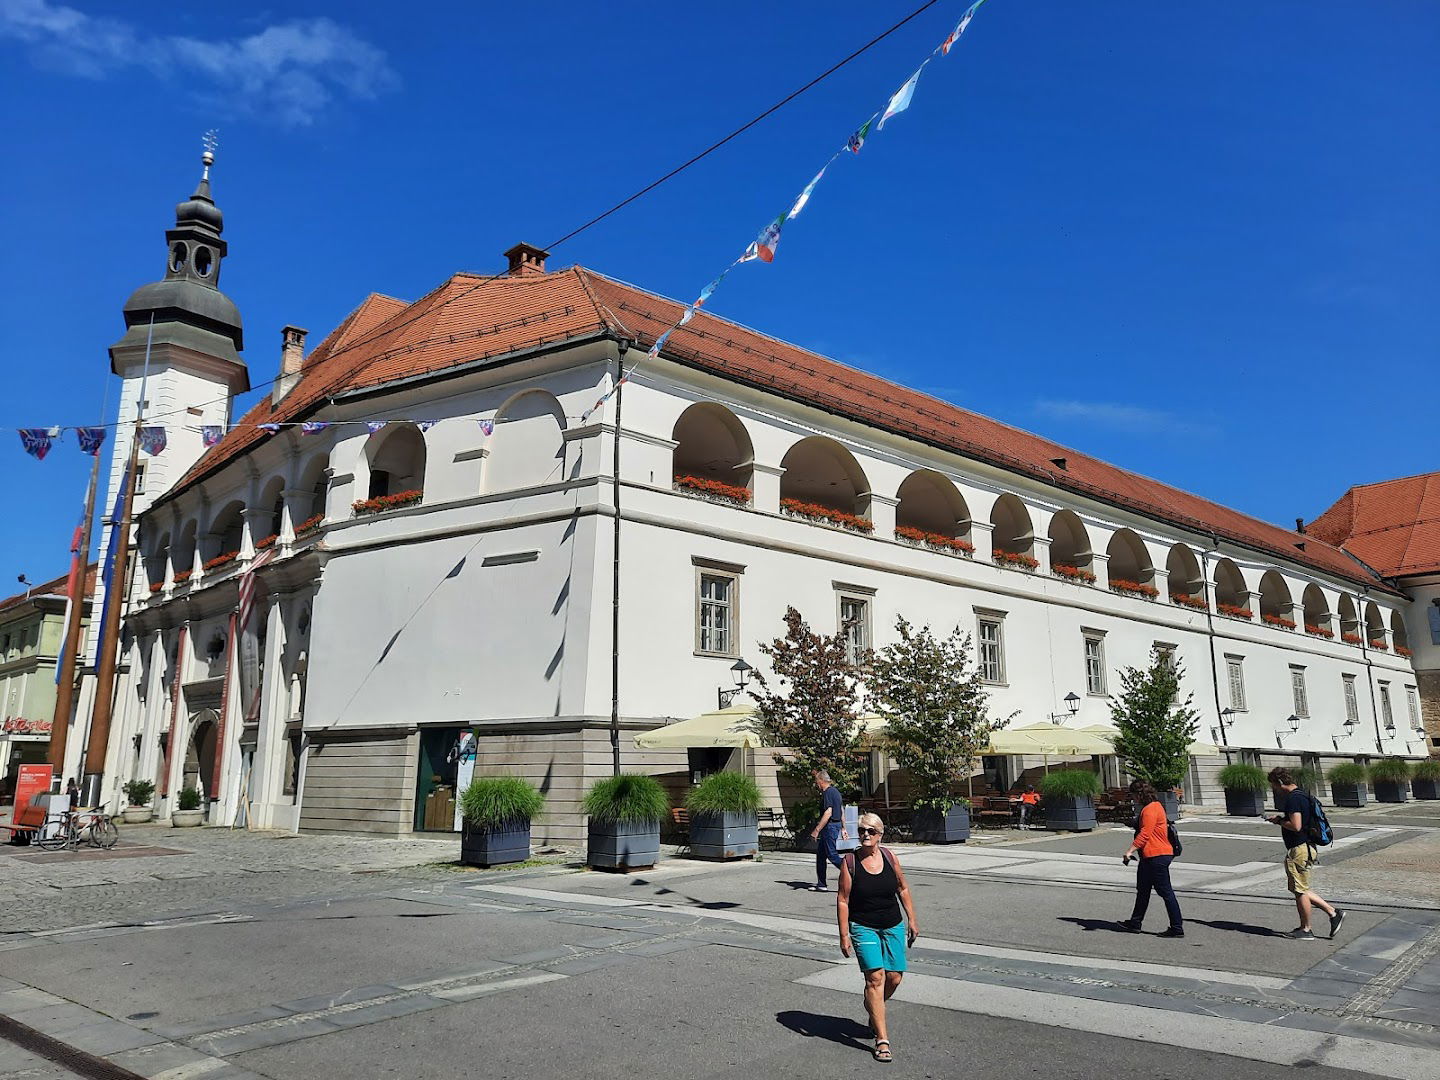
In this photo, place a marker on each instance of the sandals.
(882, 1051)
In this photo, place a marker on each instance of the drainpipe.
(1210, 622)
(1370, 673)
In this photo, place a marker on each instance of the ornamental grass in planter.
(1347, 784)
(1245, 787)
(139, 794)
(1069, 796)
(495, 816)
(625, 813)
(187, 813)
(1425, 780)
(1391, 777)
(724, 817)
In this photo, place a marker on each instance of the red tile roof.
(50, 588)
(471, 318)
(1394, 526)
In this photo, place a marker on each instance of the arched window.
(1230, 590)
(821, 475)
(528, 446)
(1129, 566)
(1070, 554)
(1374, 624)
(182, 555)
(713, 455)
(1012, 535)
(226, 530)
(1316, 611)
(272, 500)
(1398, 634)
(930, 506)
(1349, 621)
(156, 560)
(313, 479)
(396, 456)
(1183, 579)
(1275, 601)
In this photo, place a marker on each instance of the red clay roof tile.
(1394, 526)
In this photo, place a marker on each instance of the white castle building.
(452, 570)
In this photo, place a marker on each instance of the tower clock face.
(177, 258)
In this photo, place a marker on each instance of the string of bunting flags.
(765, 245)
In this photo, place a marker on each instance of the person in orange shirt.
(1029, 799)
(1152, 844)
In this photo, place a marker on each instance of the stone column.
(882, 515)
(266, 779)
(765, 487)
(982, 536)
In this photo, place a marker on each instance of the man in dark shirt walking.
(829, 829)
(1295, 810)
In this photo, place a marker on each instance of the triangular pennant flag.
(271, 428)
(857, 140)
(36, 442)
(425, 425)
(375, 425)
(689, 314)
(487, 428)
(805, 195)
(764, 245)
(949, 42)
(709, 291)
(152, 440)
(313, 427)
(900, 101)
(659, 344)
(210, 434)
(90, 439)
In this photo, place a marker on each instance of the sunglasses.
(865, 830)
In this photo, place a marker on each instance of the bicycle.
(94, 827)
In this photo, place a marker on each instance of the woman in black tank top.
(872, 892)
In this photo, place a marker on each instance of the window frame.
(866, 644)
(1235, 677)
(984, 617)
(1387, 708)
(1412, 705)
(1101, 680)
(1352, 699)
(1299, 693)
(731, 606)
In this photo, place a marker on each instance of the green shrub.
(802, 814)
(1429, 769)
(1307, 779)
(497, 802)
(1070, 784)
(1391, 770)
(724, 792)
(188, 799)
(1238, 776)
(1348, 773)
(629, 797)
(139, 792)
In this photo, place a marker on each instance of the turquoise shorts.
(879, 948)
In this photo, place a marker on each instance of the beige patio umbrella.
(1195, 749)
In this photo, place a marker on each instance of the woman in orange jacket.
(1152, 844)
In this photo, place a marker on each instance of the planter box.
(495, 847)
(1171, 802)
(1070, 815)
(933, 827)
(138, 815)
(1392, 791)
(727, 835)
(1425, 789)
(186, 819)
(1244, 803)
(1349, 794)
(615, 845)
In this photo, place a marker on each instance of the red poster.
(33, 780)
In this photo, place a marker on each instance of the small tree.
(1155, 728)
(936, 708)
(812, 710)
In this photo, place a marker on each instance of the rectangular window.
(139, 478)
(1235, 669)
(1095, 664)
(1352, 703)
(1387, 714)
(1297, 691)
(855, 625)
(992, 649)
(715, 614)
(1166, 650)
(1412, 701)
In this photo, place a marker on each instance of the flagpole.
(615, 571)
(65, 692)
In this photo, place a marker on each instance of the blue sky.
(1200, 242)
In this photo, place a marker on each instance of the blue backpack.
(1317, 826)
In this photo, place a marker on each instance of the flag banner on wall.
(313, 427)
(271, 428)
(487, 428)
(90, 439)
(36, 441)
(375, 425)
(210, 434)
(425, 425)
(152, 440)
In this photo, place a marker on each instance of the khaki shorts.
(1298, 861)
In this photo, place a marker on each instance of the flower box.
(1195, 602)
(1235, 611)
(1278, 621)
(937, 541)
(1015, 560)
(816, 512)
(713, 489)
(381, 503)
(268, 542)
(1401, 650)
(221, 560)
(156, 586)
(1350, 639)
(1077, 574)
(183, 576)
(1134, 588)
(1319, 631)
(309, 525)
(1379, 646)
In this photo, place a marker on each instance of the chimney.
(526, 259)
(292, 359)
(1300, 526)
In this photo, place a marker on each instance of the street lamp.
(1293, 726)
(740, 672)
(1227, 718)
(1072, 706)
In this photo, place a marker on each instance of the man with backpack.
(1303, 827)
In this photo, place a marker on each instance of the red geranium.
(387, 502)
(1319, 631)
(183, 576)
(1184, 600)
(156, 586)
(715, 489)
(1073, 573)
(816, 512)
(1380, 645)
(221, 560)
(1277, 620)
(309, 525)
(934, 540)
(1015, 558)
(1134, 588)
(269, 541)
(1350, 639)
(1235, 611)
(1401, 650)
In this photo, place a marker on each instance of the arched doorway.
(200, 753)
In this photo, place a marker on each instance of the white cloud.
(292, 70)
(1132, 419)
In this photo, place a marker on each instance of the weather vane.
(211, 141)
